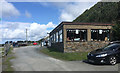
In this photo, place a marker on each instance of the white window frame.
(60, 36)
(56, 36)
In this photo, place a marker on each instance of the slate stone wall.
(58, 46)
(84, 46)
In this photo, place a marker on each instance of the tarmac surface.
(30, 58)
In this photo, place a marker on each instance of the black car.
(107, 55)
(114, 42)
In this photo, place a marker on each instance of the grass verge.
(75, 56)
(7, 65)
(1, 49)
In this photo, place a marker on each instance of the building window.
(51, 38)
(54, 39)
(60, 36)
(100, 35)
(76, 35)
(56, 36)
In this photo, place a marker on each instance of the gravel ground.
(31, 59)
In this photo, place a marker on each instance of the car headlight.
(102, 55)
(88, 53)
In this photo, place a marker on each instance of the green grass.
(10, 52)
(7, 62)
(75, 56)
(1, 49)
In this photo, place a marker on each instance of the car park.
(107, 55)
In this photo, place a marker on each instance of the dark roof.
(77, 23)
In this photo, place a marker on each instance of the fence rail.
(6, 49)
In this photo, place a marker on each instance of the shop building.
(71, 37)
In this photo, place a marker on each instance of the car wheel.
(112, 60)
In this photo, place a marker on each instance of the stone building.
(72, 37)
(45, 41)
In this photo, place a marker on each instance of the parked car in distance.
(22, 44)
(35, 43)
(106, 55)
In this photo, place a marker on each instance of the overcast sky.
(38, 17)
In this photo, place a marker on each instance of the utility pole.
(26, 34)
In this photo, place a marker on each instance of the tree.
(116, 31)
(116, 28)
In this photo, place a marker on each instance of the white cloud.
(8, 9)
(40, 30)
(0, 35)
(17, 30)
(72, 10)
(27, 14)
(58, 0)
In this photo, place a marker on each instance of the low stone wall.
(58, 46)
(84, 46)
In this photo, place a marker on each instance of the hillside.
(102, 12)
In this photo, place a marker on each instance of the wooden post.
(88, 34)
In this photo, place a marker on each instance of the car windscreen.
(111, 47)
